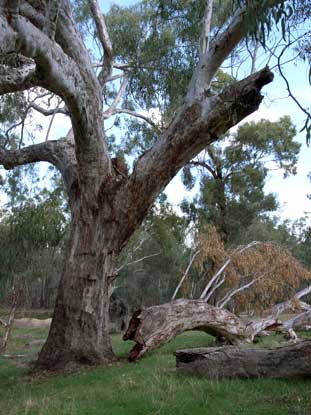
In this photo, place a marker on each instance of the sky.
(291, 192)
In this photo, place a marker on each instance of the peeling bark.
(291, 361)
(154, 326)
(107, 207)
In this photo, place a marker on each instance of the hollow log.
(151, 327)
(230, 362)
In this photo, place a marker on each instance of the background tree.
(248, 278)
(233, 176)
(108, 202)
(152, 262)
(34, 232)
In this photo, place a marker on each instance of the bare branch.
(50, 151)
(136, 115)
(281, 307)
(8, 325)
(304, 110)
(50, 111)
(198, 163)
(52, 120)
(216, 276)
(104, 40)
(206, 26)
(221, 303)
(192, 258)
(114, 77)
(117, 99)
(137, 261)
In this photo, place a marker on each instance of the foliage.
(32, 240)
(274, 273)
(161, 241)
(233, 176)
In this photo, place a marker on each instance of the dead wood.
(290, 361)
(154, 326)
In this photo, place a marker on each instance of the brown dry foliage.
(279, 274)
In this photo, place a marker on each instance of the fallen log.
(291, 304)
(229, 362)
(302, 322)
(150, 328)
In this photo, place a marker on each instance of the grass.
(150, 386)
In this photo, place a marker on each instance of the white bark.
(207, 20)
(152, 327)
(192, 258)
(104, 40)
(107, 205)
(300, 322)
(278, 309)
(208, 290)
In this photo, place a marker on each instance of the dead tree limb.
(192, 258)
(154, 326)
(291, 361)
(302, 322)
(206, 293)
(289, 304)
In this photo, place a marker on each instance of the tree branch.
(60, 153)
(49, 112)
(137, 261)
(278, 309)
(204, 295)
(118, 97)
(17, 79)
(198, 163)
(194, 127)
(104, 40)
(221, 303)
(192, 258)
(217, 53)
(206, 26)
(52, 11)
(136, 115)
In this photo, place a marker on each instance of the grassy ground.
(150, 386)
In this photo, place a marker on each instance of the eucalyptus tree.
(41, 47)
(233, 175)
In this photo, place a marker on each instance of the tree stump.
(231, 362)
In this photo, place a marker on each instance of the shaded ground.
(150, 386)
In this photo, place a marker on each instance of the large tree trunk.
(154, 326)
(54, 57)
(232, 362)
(79, 333)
